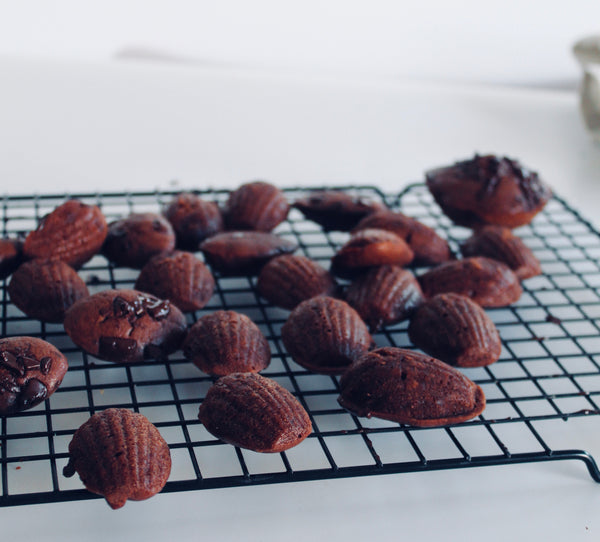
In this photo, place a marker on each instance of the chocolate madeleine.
(254, 412)
(133, 240)
(179, 277)
(428, 247)
(503, 245)
(288, 280)
(384, 296)
(30, 371)
(120, 455)
(11, 255)
(73, 233)
(226, 342)
(45, 289)
(325, 335)
(408, 387)
(193, 220)
(244, 252)
(336, 210)
(487, 282)
(125, 326)
(256, 206)
(454, 329)
(370, 248)
(488, 190)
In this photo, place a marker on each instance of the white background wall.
(497, 41)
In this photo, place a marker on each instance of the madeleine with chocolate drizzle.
(488, 190)
(125, 326)
(30, 371)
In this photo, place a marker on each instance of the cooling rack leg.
(590, 463)
(560, 455)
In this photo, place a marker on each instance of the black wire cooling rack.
(549, 370)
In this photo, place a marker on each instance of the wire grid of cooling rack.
(549, 370)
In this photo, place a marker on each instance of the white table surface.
(80, 127)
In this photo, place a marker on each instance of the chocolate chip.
(122, 308)
(69, 469)
(35, 392)
(28, 363)
(93, 280)
(138, 307)
(10, 361)
(117, 348)
(45, 365)
(157, 226)
(8, 384)
(158, 309)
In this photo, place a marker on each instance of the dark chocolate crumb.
(553, 319)
(11, 362)
(117, 348)
(29, 364)
(34, 393)
(45, 365)
(93, 280)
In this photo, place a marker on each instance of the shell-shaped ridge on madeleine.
(454, 329)
(325, 335)
(254, 412)
(225, 342)
(121, 455)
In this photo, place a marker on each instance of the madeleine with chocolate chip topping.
(409, 387)
(120, 455)
(125, 326)
(30, 371)
(254, 412)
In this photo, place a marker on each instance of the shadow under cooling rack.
(548, 373)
